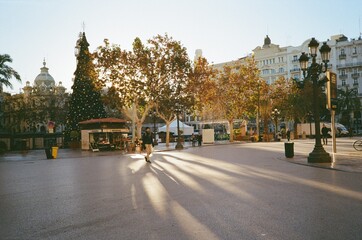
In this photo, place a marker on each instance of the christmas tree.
(85, 102)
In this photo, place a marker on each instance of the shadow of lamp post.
(178, 111)
(313, 72)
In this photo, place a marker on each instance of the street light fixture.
(178, 110)
(275, 114)
(318, 155)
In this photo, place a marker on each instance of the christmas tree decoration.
(85, 102)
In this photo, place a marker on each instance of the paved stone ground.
(230, 191)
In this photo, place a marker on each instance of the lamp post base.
(155, 142)
(319, 155)
(179, 146)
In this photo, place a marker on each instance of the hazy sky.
(224, 29)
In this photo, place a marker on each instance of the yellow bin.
(54, 152)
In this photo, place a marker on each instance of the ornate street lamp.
(313, 73)
(178, 111)
(275, 114)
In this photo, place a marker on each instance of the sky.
(225, 30)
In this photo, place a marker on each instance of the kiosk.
(104, 134)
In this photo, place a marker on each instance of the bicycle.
(358, 145)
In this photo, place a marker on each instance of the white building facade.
(275, 62)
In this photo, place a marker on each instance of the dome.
(44, 78)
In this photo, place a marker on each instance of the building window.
(281, 70)
(342, 51)
(343, 82)
(354, 50)
(295, 58)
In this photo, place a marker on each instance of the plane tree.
(237, 91)
(152, 75)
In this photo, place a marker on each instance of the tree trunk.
(295, 125)
(168, 134)
(231, 128)
(139, 129)
(266, 130)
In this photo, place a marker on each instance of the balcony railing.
(342, 56)
(295, 70)
(343, 76)
(347, 65)
(355, 75)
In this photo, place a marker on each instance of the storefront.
(104, 134)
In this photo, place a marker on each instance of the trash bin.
(48, 153)
(54, 152)
(289, 149)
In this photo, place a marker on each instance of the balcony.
(348, 65)
(295, 70)
(343, 76)
(355, 75)
(342, 56)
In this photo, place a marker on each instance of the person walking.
(199, 139)
(288, 135)
(193, 140)
(147, 142)
(325, 131)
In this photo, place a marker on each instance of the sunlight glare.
(156, 192)
(193, 227)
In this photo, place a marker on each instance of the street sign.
(331, 90)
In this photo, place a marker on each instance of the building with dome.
(31, 118)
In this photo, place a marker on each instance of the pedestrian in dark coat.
(199, 140)
(288, 134)
(147, 142)
(325, 131)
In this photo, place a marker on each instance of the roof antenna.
(359, 27)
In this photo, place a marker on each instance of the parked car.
(341, 130)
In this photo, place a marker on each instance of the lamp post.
(178, 111)
(275, 114)
(318, 155)
(310, 115)
(154, 113)
(258, 114)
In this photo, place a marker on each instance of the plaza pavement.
(220, 191)
(346, 159)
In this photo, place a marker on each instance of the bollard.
(54, 152)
